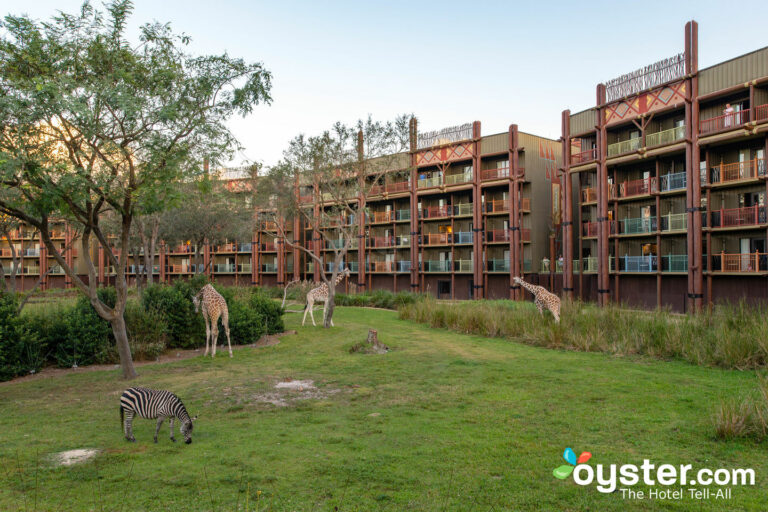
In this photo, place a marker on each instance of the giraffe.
(213, 305)
(321, 294)
(543, 298)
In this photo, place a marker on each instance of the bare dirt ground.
(171, 355)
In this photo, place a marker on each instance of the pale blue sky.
(447, 62)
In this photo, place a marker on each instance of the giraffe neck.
(531, 288)
(340, 278)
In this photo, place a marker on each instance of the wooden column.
(692, 157)
(477, 217)
(414, 127)
(361, 205)
(515, 256)
(567, 190)
(603, 224)
(658, 235)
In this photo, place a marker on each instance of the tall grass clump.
(745, 417)
(730, 336)
(383, 299)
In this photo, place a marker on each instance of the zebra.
(151, 404)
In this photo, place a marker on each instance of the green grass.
(465, 423)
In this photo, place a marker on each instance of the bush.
(185, 328)
(147, 332)
(384, 299)
(88, 338)
(246, 324)
(20, 350)
(745, 417)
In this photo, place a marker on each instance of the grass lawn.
(443, 422)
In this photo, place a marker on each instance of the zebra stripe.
(153, 404)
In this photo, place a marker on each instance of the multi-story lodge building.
(664, 204)
(668, 173)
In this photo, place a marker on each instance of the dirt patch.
(72, 457)
(289, 391)
(267, 340)
(299, 385)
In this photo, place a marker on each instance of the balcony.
(637, 225)
(179, 249)
(525, 204)
(674, 263)
(637, 263)
(589, 229)
(463, 265)
(31, 253)
(245, 268)
(456, 179)
(738, 171)
(434, 181)
(382, 217)
(462, 237)
(494, 174)
(269, 268)
(498, 265)
(435, 212)
(761, 113)
(403, 215)
(626, 146)
(525, 234)
(353, 266)
(245, 248)
(403, 266)
(665, 137)
(397, 187)
(378, 242)
(497, 235)
(226, 248)
(588, 195)
(55, 270)
(268, 247)
(339, 244)
(403, 241)
(497, 206)
(381, 266)
(641, 187)
(339, 268)
(437, 266)
(740, 263)
(738, 217)
(224, 268)
(723, 122)
(31, 270)
(674, 222)
(269, 225)
(589, 264)
(672, 181)
(436, 239)
(584, 156)
(462, 209)
(306, 198)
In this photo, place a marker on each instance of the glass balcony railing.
(404, 266)
(437, 266)
(674, 263)
(462, 237)
(434, 181)
(498, 265)
(268, 268)
(665, 137)
(455, 179)
(353, 266)
(462, 209)
(462, 265)
(637, 225)
(674, 222)
(224, 268)
(589, 264)
(674, 181)
(638, 263)
(625, 146)
(403, 215)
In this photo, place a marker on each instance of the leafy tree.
(90, 122)
(342, 166)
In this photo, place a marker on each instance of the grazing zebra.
(154, 404)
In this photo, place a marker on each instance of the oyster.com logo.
(564, 471)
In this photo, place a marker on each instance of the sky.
(446, 62)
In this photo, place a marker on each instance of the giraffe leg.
(159, 424)
(556, 312)
(170, 422)
(540, 307)
(225, 323)
(128, 426)
(207, 332)
(214, 334)
(311, 306)
(310, 303)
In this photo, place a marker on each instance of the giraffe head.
(517, 280)
(196, 302)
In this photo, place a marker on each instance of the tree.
(90, 123)
(208, 213)
(341, 166)
(8, 225)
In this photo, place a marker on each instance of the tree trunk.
(331, 306)
(123, 347)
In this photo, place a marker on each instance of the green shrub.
(270, 310)
(88, 337)
(20, 350)
(384, 299)
(185, 328)
(246, 324)
(147, 332)
(744, 417)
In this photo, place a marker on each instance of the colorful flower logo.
(565, 470)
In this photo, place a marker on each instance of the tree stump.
(373, 337)
(372, 345)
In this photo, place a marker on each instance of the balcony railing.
(584, 156)
(434, 212)
(674, 222)
(403, 215)
(494, 174)
(497, 206)
(245, 268)
(434, 181)
(455, 179)
(339, 244)
(723, 122)
(497, 235)
(399, 186)
(737, 171)
(404, 266)
(624, 146)
(31, 252)
(665, 136)
(55, 270)
(637, 263)
(180, 249)
(525, 234)
(226, 248)
(637, 225)
(269, 268)
(31, 270)
(525, 204)
(672, 181)
(381, 217)
(744, 262)
(589, 264)
(436, 239)
(462, 237)
(761, 113)
(674, 263)
(268, 247)
(245, 248)
(588, 195)
(403, 241)
(224, 268)
(641, 187)
(462, 209)
(733, 217)
(498, 265)
(437, 266)
(589, 229)
(339, 268)
(381, 241)
(353, 266)
(381, 266)
(462, 265)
